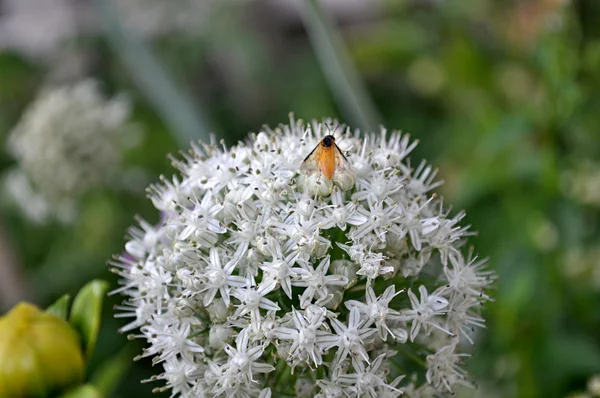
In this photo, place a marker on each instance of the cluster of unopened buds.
(277, 271)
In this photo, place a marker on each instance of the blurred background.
(504, 97)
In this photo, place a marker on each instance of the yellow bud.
(40, 354)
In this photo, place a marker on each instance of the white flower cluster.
(259, 282)
(68, 141)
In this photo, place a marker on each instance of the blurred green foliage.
(504, 97)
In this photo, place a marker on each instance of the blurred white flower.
(316, 285)
(150, 18)
(41, 28)
(69, 141)
(593, 385)
(593, 389)
(37, 27)
(33, 205)
(582, 183)
(582, 264)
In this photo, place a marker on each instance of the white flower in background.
(594, 385)
(582, 183)
(581, 264)
(294, 283)
(45, 27)
(69, 141)
(592, 391)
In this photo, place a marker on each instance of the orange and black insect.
(327, 158)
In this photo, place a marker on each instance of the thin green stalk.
(177, 109)
(398, 366)
(400, 348)
(340, 72)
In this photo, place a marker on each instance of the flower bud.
(345, 268)
(40, 354)
(217, 310)
(344, 179)
(219, 336)
(337, 296)
(315, 184)
(305, 387)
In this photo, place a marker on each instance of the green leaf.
(111, 372)
(87, 391)
(577, 354)
(338, 67)
(86, 313)
(60, 307)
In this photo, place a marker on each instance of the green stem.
(176, 107)
(282, 394)
(410, 355)
(340, 72)
(281, 365)
(398, 367)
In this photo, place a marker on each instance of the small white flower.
(305, 273)
(238, 373)
(200, 223)
(446, 371)
(378, 220)
(280, 268)
(423, 179)
(317, 282)
(424, 311)
(468, 276)
(377, 310)
(368, 381)
(252, 299)
(171, 340)
(373, 265)
(219, 279)
(308, 341)
(351, 338)
(379, 187)
(340, 213)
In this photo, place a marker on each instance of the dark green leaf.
(60, 307)
(86, 313)
(110, 373)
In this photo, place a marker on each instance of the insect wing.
(344, 172)
(341, 163)
(311, 162)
